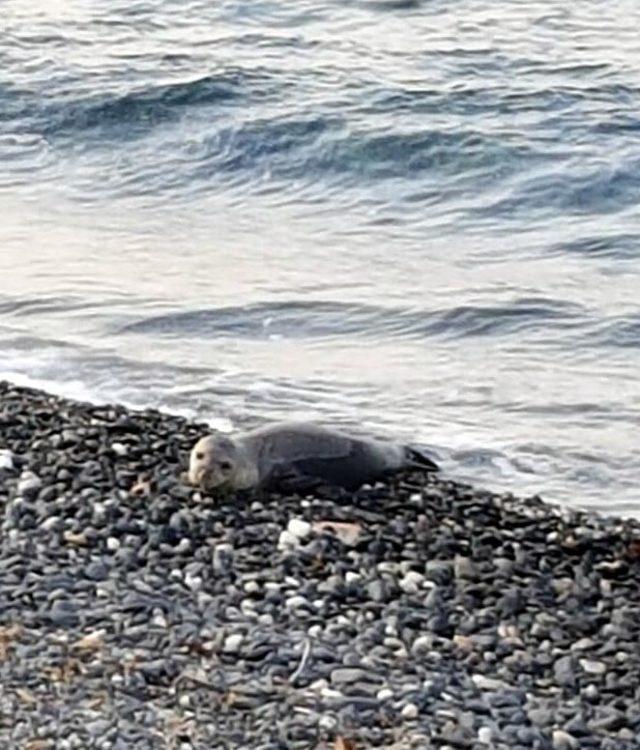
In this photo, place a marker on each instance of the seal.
(296, 455)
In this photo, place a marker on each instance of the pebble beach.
(419, 613)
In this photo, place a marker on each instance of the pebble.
(222, 558)
(591, 692)
(440, 571)
(410, 711)
(591, 666)
(252, 587)
(29, 484)
(564, 741)
(6, 460)
(422, 645)
(411, 582)
(464, 568)
(233, 643)
(564, 671)
(299, 528)
(296, 602)
(485, 735)
(327, 722)
(346, 675)
(487, 683)
(288, 541)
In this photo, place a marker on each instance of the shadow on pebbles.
(416, 614)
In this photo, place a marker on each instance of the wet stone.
(96, 571)
(564, 671)
(348, 675)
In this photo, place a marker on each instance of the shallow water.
(422, 217)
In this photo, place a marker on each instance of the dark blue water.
(423, 217)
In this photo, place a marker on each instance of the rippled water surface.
(423, 217)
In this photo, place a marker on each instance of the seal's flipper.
(417, 460)
(289, 479)
(348, 472)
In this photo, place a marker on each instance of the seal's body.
(296, 454)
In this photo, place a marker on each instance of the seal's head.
(213, 463)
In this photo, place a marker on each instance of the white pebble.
(329, 723)
(50, 523)
(247, 605)
(318, 685)
(388, 567)
(299, 528)
(6, 459)
(287, 541)
(410, 711)
(564, 741)
(119, 449)
(411, 582)
(584, 644)
(485, 735)
(193, 582)
(351, 576)
(591, 692)
(232, 643)
(329, 694)
(28, 483)
(384, 694)
(13, 536)
(593, 667)
(422, 644)
(251, 587)
(391, 642)
(113, 543)
(184, 700)
(159, 620)
(184, 545)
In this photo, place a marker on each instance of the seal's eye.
(225, 465)
(199, 456)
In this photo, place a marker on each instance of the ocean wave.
(621, 331)
(604, 189)
(297, 319)
(617, 245)
(139, 111)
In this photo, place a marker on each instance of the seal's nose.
(193, 477)
(202, 478)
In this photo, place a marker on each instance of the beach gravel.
(422, 613)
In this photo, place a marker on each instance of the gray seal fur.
(296, 455)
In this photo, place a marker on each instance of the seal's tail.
(417, 460)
